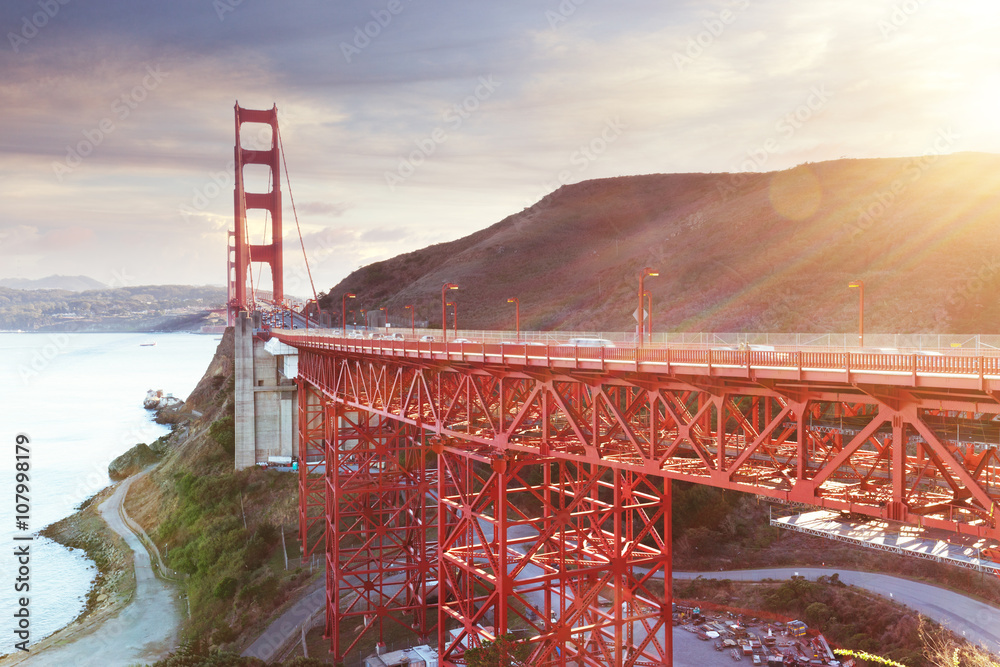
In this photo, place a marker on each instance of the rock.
(162, 444)
(132, 462)
(152, 399)
(157, 400)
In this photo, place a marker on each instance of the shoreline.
(112, 588)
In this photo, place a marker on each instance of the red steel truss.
(553, 465)
(573, 555)
(313, 406)
(378, 510)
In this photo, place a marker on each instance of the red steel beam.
(575, 555)
(684, 427)
(551, 469)
(381, 564)
(313, 436)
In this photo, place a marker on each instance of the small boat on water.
(148, 344)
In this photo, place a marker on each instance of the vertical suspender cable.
(296, 215)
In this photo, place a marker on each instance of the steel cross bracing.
(380, 557)
(872, 434)
(572, 554)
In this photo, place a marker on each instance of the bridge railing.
(950, 362)
(884, 343)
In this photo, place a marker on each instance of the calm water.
(79, 399)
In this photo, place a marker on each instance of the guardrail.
(904, 343)
(922, 363)
(155, 559)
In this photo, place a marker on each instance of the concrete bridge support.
(265, 397)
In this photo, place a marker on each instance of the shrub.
(223, 431)
(226, 588)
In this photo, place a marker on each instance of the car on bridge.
(590, 342)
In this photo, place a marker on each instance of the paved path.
(976, 621)
(143, 632)
(288, 626)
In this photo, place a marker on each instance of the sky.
(411, 122)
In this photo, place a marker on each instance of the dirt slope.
(736, 252)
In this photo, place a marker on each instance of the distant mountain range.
(755, 252)
(70, 283)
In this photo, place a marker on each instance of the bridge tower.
(265, 396)
(241, 252)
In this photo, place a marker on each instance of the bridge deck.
(591, 433)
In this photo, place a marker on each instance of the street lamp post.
(649, 300)
(517, 315)
(343, 310)
(444, 310)
(454, 316)
(860, 284)
(385, 314)
(641, 317)
(364, 319)
(413, 326)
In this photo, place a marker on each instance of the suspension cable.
(295, 213)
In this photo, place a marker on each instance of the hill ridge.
(767, 252)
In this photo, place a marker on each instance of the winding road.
(143, 632)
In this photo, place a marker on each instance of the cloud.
(566, 70)
(329, 209)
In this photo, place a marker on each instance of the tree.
(505, 651)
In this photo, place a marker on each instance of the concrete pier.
(265, 397)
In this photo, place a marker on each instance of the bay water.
(76, 399)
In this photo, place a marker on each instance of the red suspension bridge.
(463, 490)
